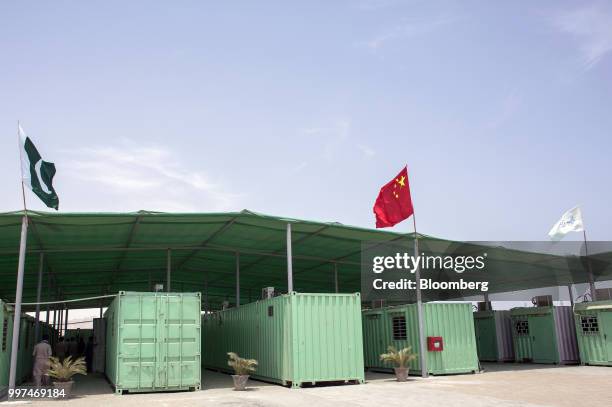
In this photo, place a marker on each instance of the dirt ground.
(506, 385)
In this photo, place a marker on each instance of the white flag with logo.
(571, 221)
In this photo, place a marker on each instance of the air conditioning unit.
(484, 306)
(542, 300)
(603, 294)
(267, 292)
(378, 303)
(158, 288)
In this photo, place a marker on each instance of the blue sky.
(501, 111)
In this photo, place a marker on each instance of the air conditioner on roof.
(267, 292)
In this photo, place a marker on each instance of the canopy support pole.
(422, 349)
(38, 291)
(66, 321)
(101, 309)
(336, 277)
(590, 270)
(60, 318)
(237, 279)
(206, 290)
(571, 295)
(289, 260)
(486, 301)
(18, 293)
(168, 269)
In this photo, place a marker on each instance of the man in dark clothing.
(89, 354)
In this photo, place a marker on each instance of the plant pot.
(401, 373)
(66, 386)
(240, 381)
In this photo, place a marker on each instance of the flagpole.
(422, 355)
(589, 269)
(20, 272)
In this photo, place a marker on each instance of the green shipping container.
(153, 341)
(24, 349)
(398, 326)
(594, 331)
(544, 335)
(494, 336)
(297, 338)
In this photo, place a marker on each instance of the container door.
(486, 341)
(605, 325)
(542, 332)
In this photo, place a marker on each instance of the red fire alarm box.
(435, 344)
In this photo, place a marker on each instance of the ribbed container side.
(534, 333)
(329, 338)
(153, 341)
(250, 332)
(452, 321)
(567, 344)
(25, 348)
(297, 338)
(485, 327)
(593, 322)
(505, 345)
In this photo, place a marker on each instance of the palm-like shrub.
(63, 371)
(400, 358)
(241, 366)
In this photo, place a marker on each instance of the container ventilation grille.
(399, 328)
(522, 327)
(589, 324)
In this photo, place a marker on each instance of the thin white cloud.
(407, 29)
(336, 136)
(508, 108)
(591, 28)
(150, 177)
(370, 5)
(366, 150)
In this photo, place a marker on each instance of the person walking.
(42, 353)
(89, 349)
(73, 348)
(61, 349)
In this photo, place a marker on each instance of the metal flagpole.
(20, 271)
(289, 261)
(590, 270)
(422, 355)
(38, 291)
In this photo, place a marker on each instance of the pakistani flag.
(37, 174)
(571, 221)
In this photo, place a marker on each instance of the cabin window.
(522, 327)
(399, 328)
(589, 324)
(4, 333)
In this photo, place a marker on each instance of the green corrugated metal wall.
(486, 338)
(595, 343)
(297, 338)
(24, 350)
(6, 334)
(539, 343)
(452, 321)
(153, 341)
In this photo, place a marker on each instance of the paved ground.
(506, 385)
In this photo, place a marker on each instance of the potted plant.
(401, 359)
(62, 372)
(242, 367)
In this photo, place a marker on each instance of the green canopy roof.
(89, 254)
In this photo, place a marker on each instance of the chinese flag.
(394, 203)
